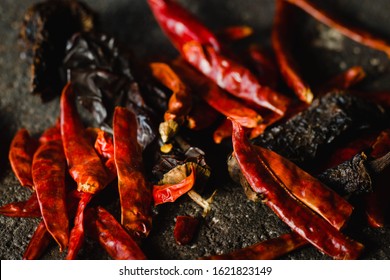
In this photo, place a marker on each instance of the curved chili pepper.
(309, 190)
(185, 228)
(20, 155)
(180, 25)
(233, 77)
(171, 192)
(357, 34)
(266, 250)
(38, 243)
(298, 216)
(48, 173)
(22, 209)
(377, 202)
(280, 43)
(134, 192)
(112, 236)
(84, 164)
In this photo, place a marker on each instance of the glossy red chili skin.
(48, 173)
(85, 166)
(295, 214)
(185, 229)
(134, 190)
(180, 25)
(21, 153)
(112, 236)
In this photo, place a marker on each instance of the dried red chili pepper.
(180, 102)
(134, 191)
(180, 25)
(299, 217)
(345, 79)
(357, 34)
(84, 164)
(234, 33)
(76, 238)
(280, 42)
(185, 228)
(21, 153)
(104, 146)
(22, 209)
(233, 77)
(376, 203)
(38, 243)
(266, 250)
(112, 236)
(48, 173)
(171, 192)
(223, 131)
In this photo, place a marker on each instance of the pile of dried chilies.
(275, 137)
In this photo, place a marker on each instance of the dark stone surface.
(234, 222)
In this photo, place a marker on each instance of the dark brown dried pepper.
(185, 228)
(134, 191)
(295, 214)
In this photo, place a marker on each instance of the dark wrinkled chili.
(185, 229)
(300, 218)
(134, 191)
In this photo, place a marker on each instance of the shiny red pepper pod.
(85, 165)
(20, 156)
(294, 213)
(134, 190)
(22, 209)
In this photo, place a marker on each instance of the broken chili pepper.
(38, 243)
(266, 250)
(134, 191)
(357, 34)
(112, 236)
(171, 192)
(300, 218)
(20, 155)
(280, 42)
(185, 228)
(48, 173)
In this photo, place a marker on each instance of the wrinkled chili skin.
(22, 209)
(21, 153)
(266, 250)
(105, 76)
(102, 226)
(134, 190)
(84, 164)
(329, 118)
(281, 43)
(295, 214)
(48, 173)
(46, 28)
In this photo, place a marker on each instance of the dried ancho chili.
(46, 28)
